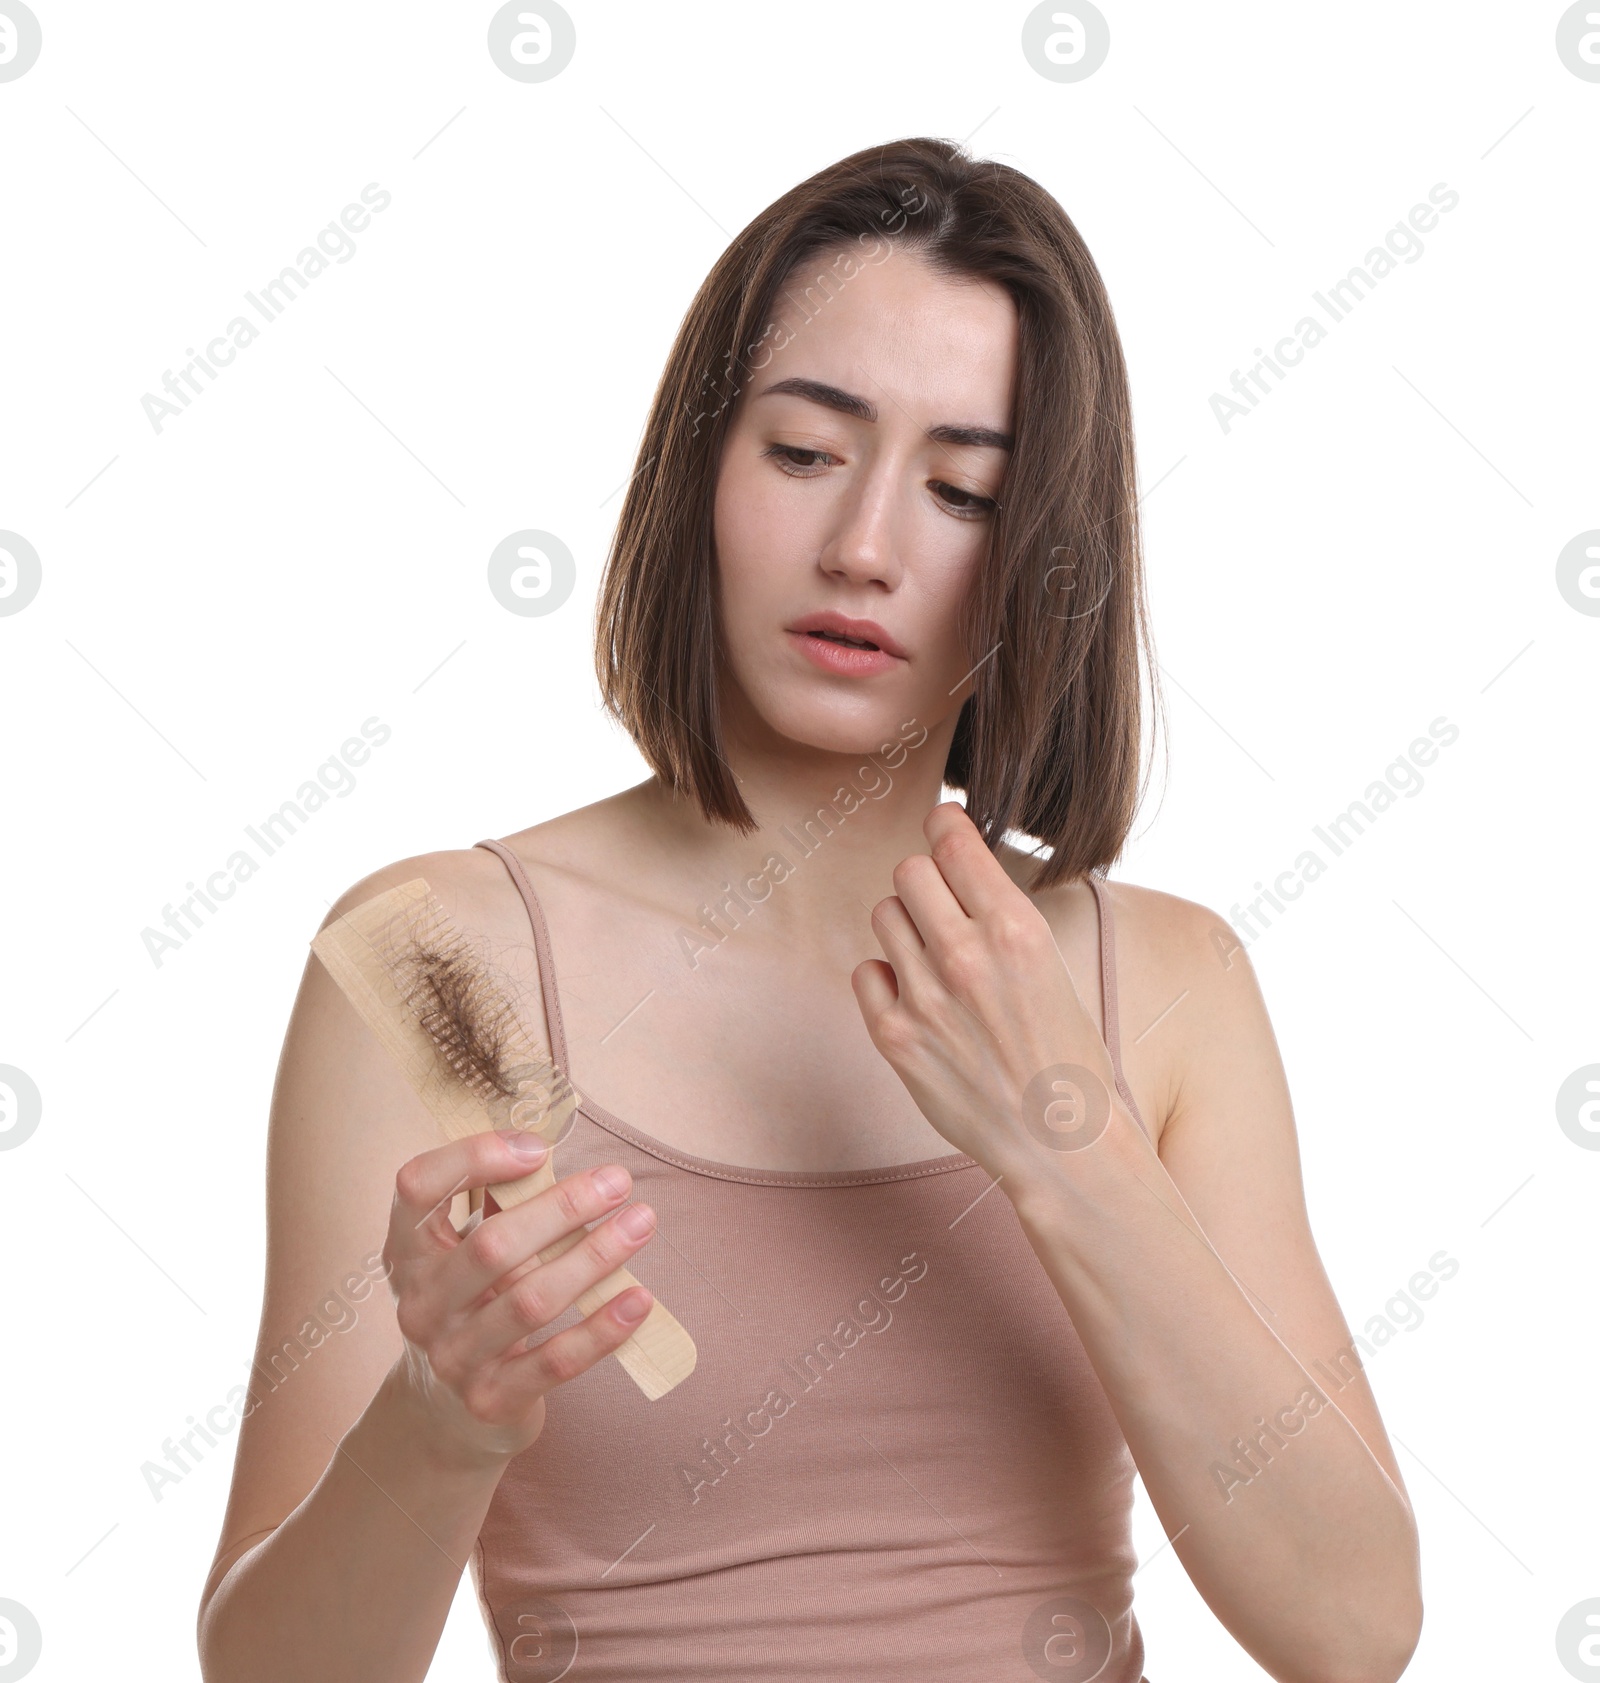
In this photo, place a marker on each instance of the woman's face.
(857, 482)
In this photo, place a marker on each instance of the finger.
(555, 1360)
(875, 988)
(915, 975)
(938, 915)
(544, 1293)
(419, 1222)
(975, 877)
(897, 933)
(509, 1242)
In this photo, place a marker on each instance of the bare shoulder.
(1185, 990)
(1167, 938)
(1194, 1005)
(476, 889)
(471, 883)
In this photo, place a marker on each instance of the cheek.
(749, 546)
(755, 508)
(948, 578)
(759, 541)
(738, 517)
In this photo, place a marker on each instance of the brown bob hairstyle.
(1048, 743)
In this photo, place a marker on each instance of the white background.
(224, 602)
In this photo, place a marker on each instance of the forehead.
(896, 332)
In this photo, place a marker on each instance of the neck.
(830, 828)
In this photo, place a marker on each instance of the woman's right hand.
(468, 1302)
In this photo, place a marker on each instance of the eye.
(968, 504)
(784, 454)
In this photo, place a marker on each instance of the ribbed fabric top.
(893, 1462)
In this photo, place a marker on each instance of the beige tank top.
(893, 1463)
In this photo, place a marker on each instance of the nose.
(863, 547)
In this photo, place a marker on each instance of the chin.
(834, 730)
(831, 723)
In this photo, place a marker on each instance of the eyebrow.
(847, 403)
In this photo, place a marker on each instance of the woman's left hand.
(975, 1009)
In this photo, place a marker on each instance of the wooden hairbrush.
(425, 991)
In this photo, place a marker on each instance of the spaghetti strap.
(1108, 994)
(547, 965)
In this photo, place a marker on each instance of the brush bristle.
(449, 987)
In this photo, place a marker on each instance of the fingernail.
(610, 1182)
(635, 1221)
(631, 1308)
(524, 1144)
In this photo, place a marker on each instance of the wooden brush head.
(436, 1005)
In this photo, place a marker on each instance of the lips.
(840, 629)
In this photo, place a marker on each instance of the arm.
(368, 1454)
(1190, 1275)
(1194, 1281)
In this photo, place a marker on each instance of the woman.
(965, 1230)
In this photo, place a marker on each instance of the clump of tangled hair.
(450, 985)
(1048, 744)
